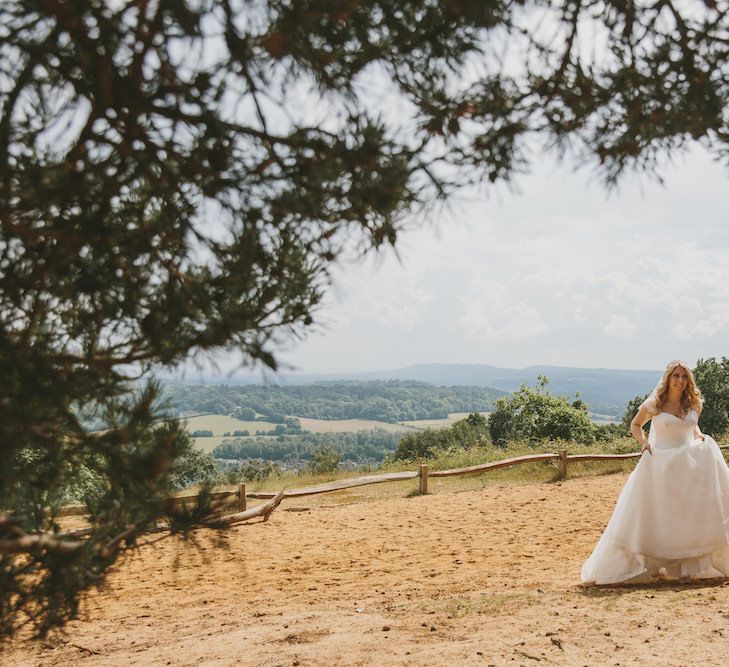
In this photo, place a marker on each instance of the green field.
(349, 425)
(220, 424)
(452, 418)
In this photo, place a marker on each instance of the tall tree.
(178, 176)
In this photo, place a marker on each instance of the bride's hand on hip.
(646, 448)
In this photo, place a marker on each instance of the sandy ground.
(480, 577)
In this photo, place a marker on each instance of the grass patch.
(538, 472)
(350, 425)
(487, 604)
(530, 473)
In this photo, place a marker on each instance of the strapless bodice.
(668, 431)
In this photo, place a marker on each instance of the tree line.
(361, 447)
(388, 401)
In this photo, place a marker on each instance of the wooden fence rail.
(493, 465)
(339, 485)
(603, 457)
(423, 474)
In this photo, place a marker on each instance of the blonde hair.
(691, 397)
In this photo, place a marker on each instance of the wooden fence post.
(562, 463)
(423, 476)
(241, 497)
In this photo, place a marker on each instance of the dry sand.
(481, 577)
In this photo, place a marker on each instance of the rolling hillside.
(605, 390)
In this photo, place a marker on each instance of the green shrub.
(193, 467)
(712, 377)
(324, 460)
(534, 414)
(259, 471)
(470, 432)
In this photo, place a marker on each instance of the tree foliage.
(244, 413)
(534, 414)
(258, 471)
(178, 176)
(464, 434)
(193, 467)
(360, 447)
(712, 377)
(324, 460)
(123, 475)
(631, 409)
(390, 401)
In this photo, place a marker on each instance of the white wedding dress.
(672, 515)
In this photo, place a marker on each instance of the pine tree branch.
(40, 541)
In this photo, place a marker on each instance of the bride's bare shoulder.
(649, 406)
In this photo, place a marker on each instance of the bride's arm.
(636, 428)
(698, 435)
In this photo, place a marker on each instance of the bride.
(672, 516)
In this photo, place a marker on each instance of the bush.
(534, 414)
(470, 432)
(245, 414)
(259, 471)
(712, 377)
(193, 467)
(631, 408)
(324, 460)
(293, 425)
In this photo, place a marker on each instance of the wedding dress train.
(672, 516)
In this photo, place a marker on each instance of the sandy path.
(477, 577)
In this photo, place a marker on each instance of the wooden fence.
(422, 474)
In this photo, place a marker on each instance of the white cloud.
(560, 273)
(495, 322)
(578, 316)
(619, 326)
(713, 323)
(397, 314)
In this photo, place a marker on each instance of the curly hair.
(691, 397)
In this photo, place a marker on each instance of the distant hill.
(605, 390)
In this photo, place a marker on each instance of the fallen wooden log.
(264, 510)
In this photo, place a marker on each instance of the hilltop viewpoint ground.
(482, 576)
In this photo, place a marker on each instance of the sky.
(557, 271)
(561, 272)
